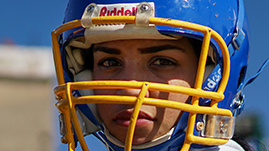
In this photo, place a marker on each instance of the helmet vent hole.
(242, 75)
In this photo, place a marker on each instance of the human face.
(171, 62)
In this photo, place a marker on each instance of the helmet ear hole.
(242, 75)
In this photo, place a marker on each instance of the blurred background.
(27, 113)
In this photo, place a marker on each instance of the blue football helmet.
(208, 120)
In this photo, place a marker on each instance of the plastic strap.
(90, 12)
(240, 96)
(144, 11)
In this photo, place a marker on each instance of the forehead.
(143, 45)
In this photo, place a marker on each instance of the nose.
(130, 92)
(133, 71)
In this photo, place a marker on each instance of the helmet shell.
(226, 17)
(222, 16)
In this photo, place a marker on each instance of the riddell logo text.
(117, 12)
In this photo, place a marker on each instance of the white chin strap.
(152, 143)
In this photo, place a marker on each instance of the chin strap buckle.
(144, 11)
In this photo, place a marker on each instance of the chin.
(138, 141)
(141, 139)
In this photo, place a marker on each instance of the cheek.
(168, 120)
(177, 96)
(106, 111)
(97, 75)
(104, 91)
(100, 109)
(171, 116)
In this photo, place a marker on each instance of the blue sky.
(30, 22)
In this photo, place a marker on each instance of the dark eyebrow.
(107, 50)
(155, 49)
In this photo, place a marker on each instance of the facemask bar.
(67, 101)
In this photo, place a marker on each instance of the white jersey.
(231, 145)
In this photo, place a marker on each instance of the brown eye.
(110, 62)
(163, 62)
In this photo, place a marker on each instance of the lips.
(123, 119)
